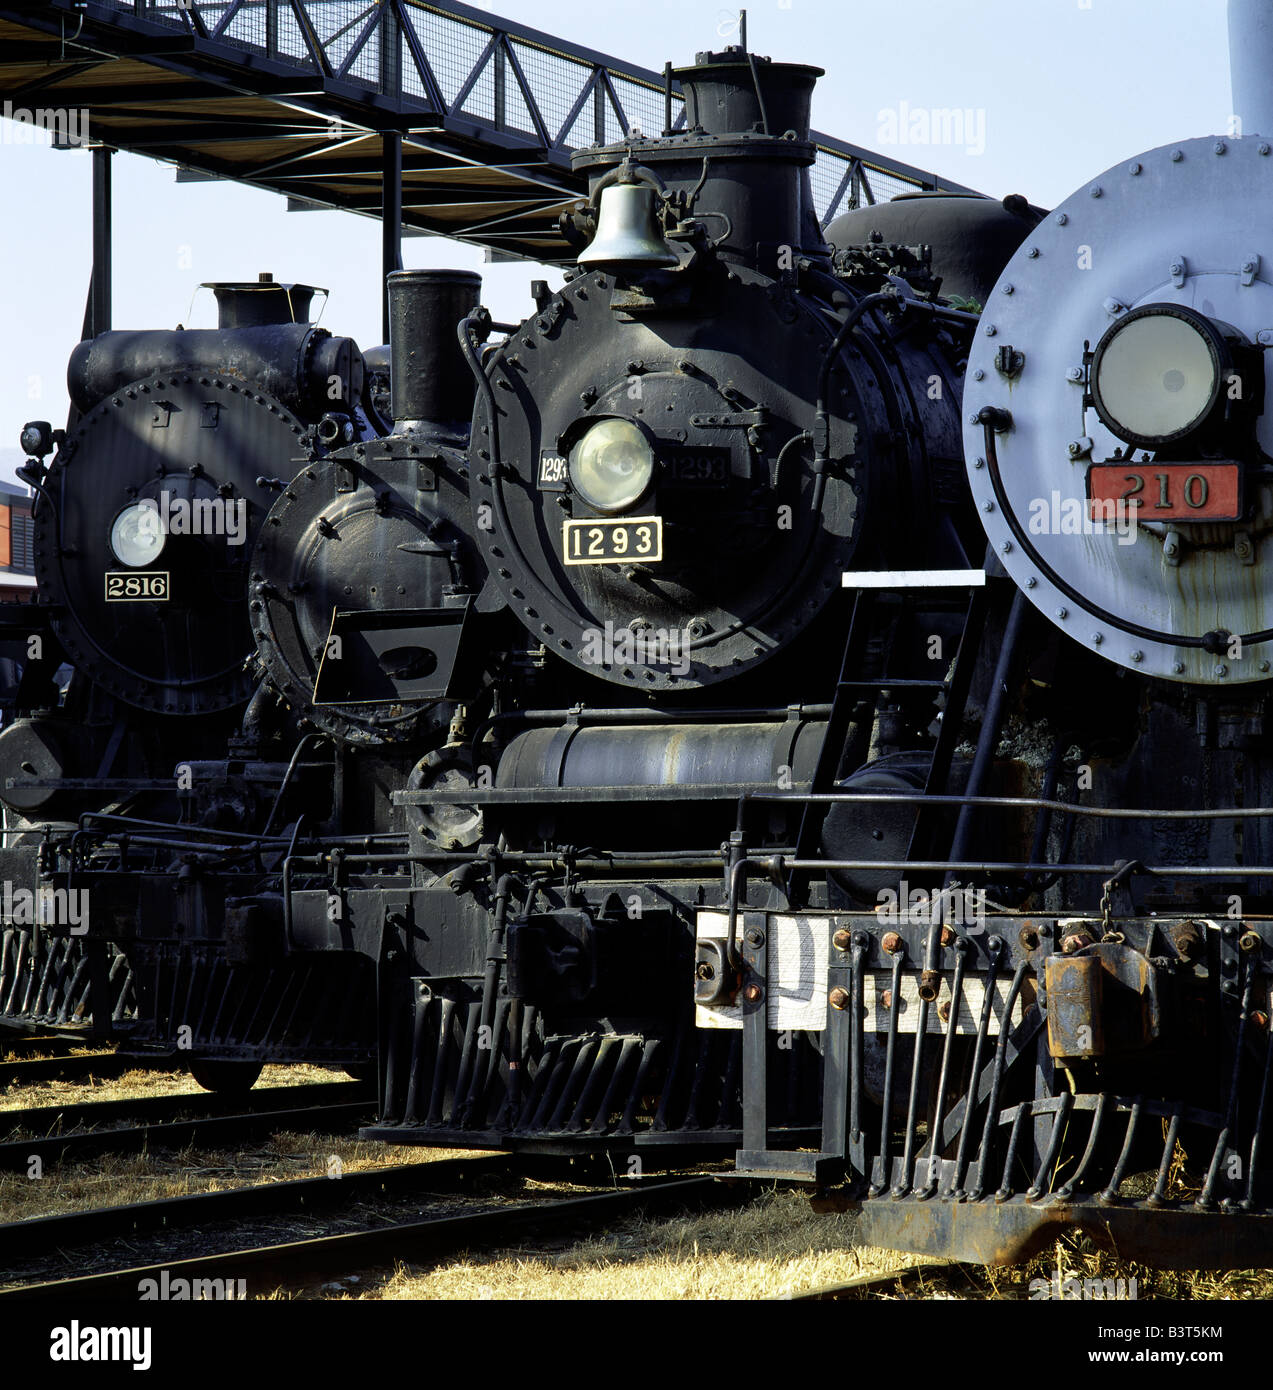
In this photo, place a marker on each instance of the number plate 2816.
(619, 542)
(136, 586)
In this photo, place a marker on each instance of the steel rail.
(104, 1066)
(65, 1230)
(194, 1104)
(854, 1288)
(36, 1044)
(16, 1154)
(418, 1242)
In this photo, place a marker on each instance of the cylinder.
(430, 381)
(704, 755)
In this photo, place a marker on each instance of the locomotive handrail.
(1035, 802)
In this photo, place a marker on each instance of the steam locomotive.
(144, 524)
(797, 698)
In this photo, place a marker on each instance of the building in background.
(17, 550)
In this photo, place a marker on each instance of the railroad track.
(266, 1267)
(104, 1066)
(37, 1044)
(864, 1284)
(44, 1119)
(70, 1230)
(269, 1115)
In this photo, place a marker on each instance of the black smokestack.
(728, 94)
(254, 303)
(430, 380)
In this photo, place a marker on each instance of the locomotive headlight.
(137, 535)
(1158, 373)
(611, 466)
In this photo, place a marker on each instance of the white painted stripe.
(914, 579)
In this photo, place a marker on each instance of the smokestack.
(255, 303)
(430, 381)
(1251, 65)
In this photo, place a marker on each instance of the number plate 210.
(635, 539)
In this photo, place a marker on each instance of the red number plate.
(1165, 491)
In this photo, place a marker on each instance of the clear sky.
(1067, 88)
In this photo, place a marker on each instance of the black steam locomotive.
(137, 767)
(800, 698)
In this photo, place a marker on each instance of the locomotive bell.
(627, 231)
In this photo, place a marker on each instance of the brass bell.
(628, 235)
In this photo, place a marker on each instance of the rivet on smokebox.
(838, 998)
(892, 943)
(752, 994)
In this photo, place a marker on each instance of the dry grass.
(118, 1179)
(133, 1085)
(770, 1250)
(774, 1249)
(1072, 1262)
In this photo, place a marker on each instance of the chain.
(1107, 906)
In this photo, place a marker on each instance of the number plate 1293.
(618, 542)
(136, 586)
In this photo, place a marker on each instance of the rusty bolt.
(842, 940)
(752, 994)
(886, 999)
(1029, 938)
(1249, 941)
(891, 942)
(929, 984)
(947, 937)
(838, 998)
(1259, 1019)
(1187, 938)
(1075, 943)
(943, 1011)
